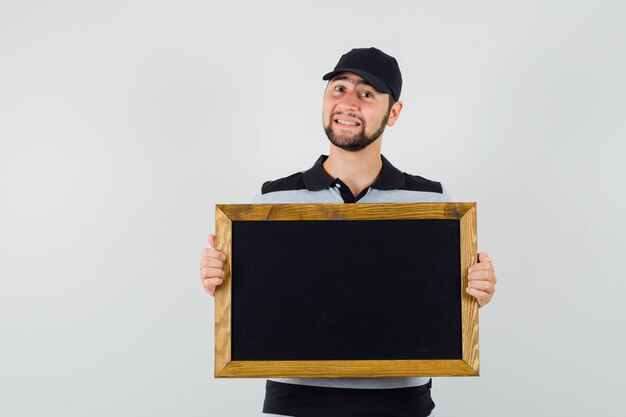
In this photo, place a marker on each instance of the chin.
(351, 137)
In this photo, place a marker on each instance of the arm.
(482, 280)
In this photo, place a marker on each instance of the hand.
(482, 280)
(211, 267)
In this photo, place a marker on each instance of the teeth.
(347, 122)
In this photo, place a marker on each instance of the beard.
(356, 141)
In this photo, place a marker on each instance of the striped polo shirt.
(314, 186)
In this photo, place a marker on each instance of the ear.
(394, 113)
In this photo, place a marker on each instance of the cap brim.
(372, 80)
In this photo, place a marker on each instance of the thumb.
(212, 241)
(483, 257)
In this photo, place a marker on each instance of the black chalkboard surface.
(336, 290)
(346, 290)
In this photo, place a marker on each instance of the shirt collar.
(316, 178)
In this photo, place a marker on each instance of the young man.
(360, 100)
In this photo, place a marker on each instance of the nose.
(349, 102)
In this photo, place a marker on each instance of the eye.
(339, 89)
(367, 94)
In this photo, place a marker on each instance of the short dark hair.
(392, 101)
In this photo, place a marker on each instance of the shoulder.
(417, 183)
(289, 183)
(291, 190)
(391, 178)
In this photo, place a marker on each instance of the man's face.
(354, 113)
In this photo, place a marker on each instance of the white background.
(122, 123)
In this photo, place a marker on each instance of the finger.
(211, 261)
(209, 272)
(212, 253)
(481, 296)
(212, 240)
(482, 266)
(482, 276)
(485, 286)
(210, 285)
(483, 257)
(212, 282)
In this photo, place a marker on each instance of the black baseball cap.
(380, 70)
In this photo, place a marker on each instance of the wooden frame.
(468, 365)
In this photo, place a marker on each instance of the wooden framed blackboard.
(346, 290)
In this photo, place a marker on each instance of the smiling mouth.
(347, 123)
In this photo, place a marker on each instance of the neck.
(358, 170)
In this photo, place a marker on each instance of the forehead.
(349, 77)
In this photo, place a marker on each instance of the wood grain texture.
(223, 239)
(469, 305)
(467, 366)
(347, 368)
(378, 211)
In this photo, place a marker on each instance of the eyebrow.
(344, 78)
